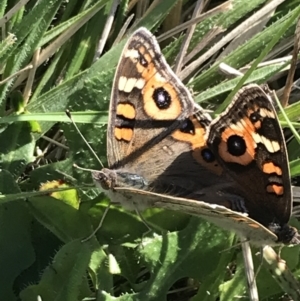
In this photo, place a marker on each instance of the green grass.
(41, 252)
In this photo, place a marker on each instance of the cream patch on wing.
(131, 53)
(271, 146)
(128, 84)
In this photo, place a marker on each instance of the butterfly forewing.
(153, 137)
(148, 101)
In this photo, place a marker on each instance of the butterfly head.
(285, 233)
(105, 179)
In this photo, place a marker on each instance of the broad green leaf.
(175, 255)
(99, 271)
(61, 215)
(95, 117)
(17, 252)
(65, 278)
(292, 111)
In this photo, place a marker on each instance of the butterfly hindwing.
(249, 144)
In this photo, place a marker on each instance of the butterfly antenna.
(82, 168)
(68, 113)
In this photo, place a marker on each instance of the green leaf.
(17, 252)
(61, 215)
(16, 148)
(295, 167)
(65, 278)
(175, 255)
(245, 53)
(29, 33)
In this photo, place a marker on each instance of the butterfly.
(153, 135)
(165, 151)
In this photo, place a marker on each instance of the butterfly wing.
(248, 142)
(148, 101)
(152, 131)
(223, 217)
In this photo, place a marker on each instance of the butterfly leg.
(99, 225)
(220, 195)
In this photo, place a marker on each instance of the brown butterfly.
(160, 154)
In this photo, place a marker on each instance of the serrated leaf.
(176, 255)
(16, 148)
(65, 278)
(99, 272)
(28, 34)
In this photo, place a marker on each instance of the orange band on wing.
(275, 188)
(241, 219)
(197, 142)
(123, 134)
(252, 225)
(270, 168)
(195, 139)
(150, 70)
(126, 110)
